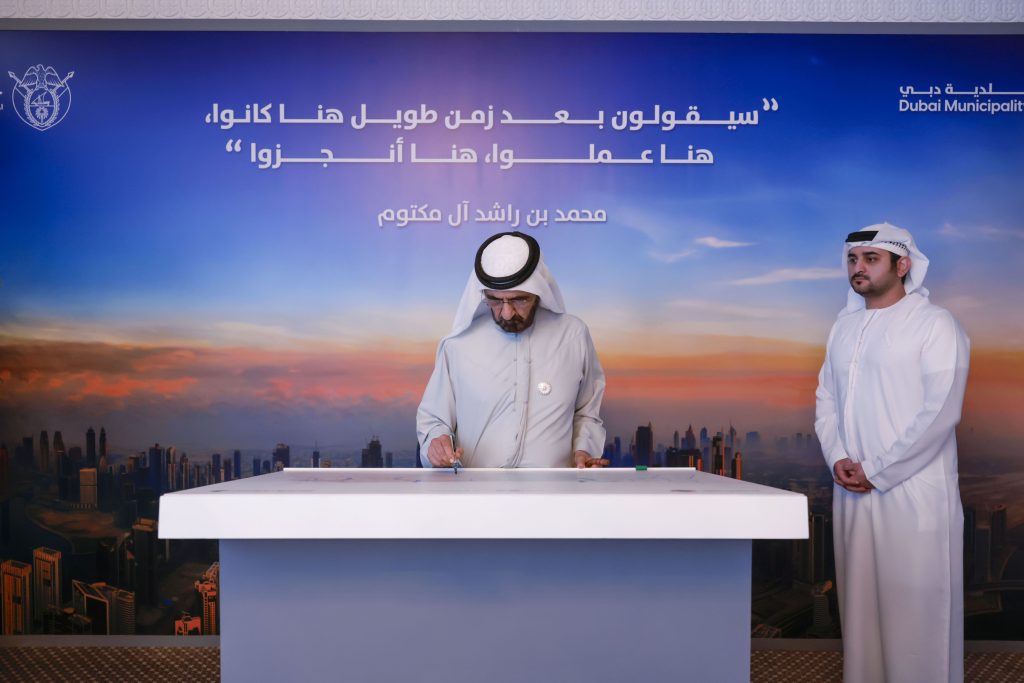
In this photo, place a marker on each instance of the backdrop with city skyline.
(165, 278)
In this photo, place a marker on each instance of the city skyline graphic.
(161, 280)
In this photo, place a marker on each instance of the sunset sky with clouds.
(154, 281)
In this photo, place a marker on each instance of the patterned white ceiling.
(928, 11)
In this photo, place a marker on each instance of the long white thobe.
(889, 396)
(527, 399)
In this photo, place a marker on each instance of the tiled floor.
(109, 664)
(198, 664)
(794, 666)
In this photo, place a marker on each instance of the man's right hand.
(440, 453)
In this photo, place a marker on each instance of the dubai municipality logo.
(41, 98)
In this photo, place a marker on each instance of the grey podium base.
(485, 610)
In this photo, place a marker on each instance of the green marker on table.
(641, 468)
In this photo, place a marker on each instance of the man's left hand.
(583, 460)
(858, 482)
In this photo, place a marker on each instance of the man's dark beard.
(518, 323)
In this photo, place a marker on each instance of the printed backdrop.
(223, 241)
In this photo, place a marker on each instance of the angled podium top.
(659, 503)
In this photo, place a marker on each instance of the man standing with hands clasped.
(889, 397)
(517, 382)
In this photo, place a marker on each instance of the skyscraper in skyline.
(156, 465)
(144, 540)
(91, 603)
(16, 585)
(644, 445)
(717, 454)
(44, 452)
(690, 440)
(371, 455)
(207, 587)
(124, 611)
(87, 487)
(58, 445)
(110, 557)
(110, 610)
(90, 448)
(46, 583)
(283, 455)
(172, 476)
(186, 473)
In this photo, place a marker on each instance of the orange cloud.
(762, 379)
(781, 379)
(201, 376)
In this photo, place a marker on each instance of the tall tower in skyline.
(236, 459)
(90, 448)
(690, 440)
(816, 554)
(46, 583)
(16, 588)
(717, 454)
(144, 540)
(58, 445)
(103, 443)
(87, 487)
(207, 587)
(110, 554)
(156, 468)
(283, 455)
(644, 444)
(737, 466)
(91, 603)
(186, 474)
(372, 456)
(170, 465)
(124, 611)
(44, 452)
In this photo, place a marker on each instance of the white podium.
(488, 575)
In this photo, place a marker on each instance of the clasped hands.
(850, 475)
